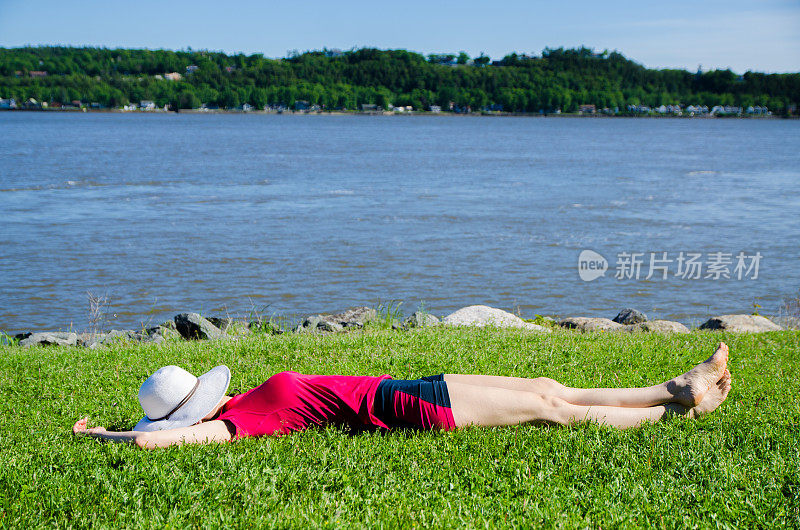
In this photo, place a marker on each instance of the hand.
(80, 428)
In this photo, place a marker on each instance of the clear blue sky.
(755, 35)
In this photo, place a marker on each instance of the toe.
(720, 356)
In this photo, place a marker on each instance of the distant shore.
(492, 114)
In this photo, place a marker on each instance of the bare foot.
(690, 388)
(714, 397)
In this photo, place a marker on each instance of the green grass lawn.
(738, 467)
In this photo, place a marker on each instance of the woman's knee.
(547, 385)
(556, 409)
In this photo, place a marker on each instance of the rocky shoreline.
(193, 326)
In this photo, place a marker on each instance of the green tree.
(481, 60)
(229, 99)
(258, 98)
(185, 100)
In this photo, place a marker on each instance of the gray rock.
(49, 338)
(630, 316)
(353, 317)
(155, 334)
(309, 324)
(158, 334)
(740, 323)
(121, 334)
(481, 315)
(192, 326)
(97, 340)
(169, 333)
(316, 324)
(149, 336)
(658, 326)
(420, 319)
(222, 323)
(89, 338)
(590, 324)
(326, 325)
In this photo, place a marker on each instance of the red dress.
(289, 402)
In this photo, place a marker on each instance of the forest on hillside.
(558, 79)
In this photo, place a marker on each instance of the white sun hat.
(172, 397)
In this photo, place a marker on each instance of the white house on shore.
(726, 110)
(755, 111)
(697, 110)
(669, 109)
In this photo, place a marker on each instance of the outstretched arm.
(202, 433)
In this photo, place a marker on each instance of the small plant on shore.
(543, 320)
(7, 340)
(756, 307)
(273, 325)
(423, 310)
(260, 323)
(98, 309)
(388, 313)
(146, 324)
(255, 314)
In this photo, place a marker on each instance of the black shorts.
(414, 403)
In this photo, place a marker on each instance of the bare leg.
(492, 407)
(687, 389)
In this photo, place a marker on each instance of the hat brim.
(212, 385)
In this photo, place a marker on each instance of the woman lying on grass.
(181, 408)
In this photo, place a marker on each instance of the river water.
(286, 215)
